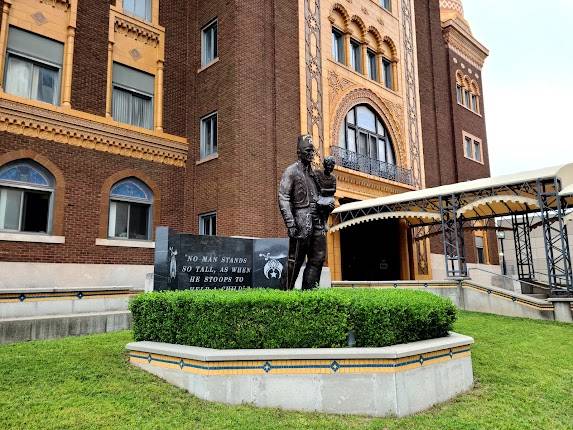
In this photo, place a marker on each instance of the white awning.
(495, 205)
(412, 217)
(567, 191)
(564, 173)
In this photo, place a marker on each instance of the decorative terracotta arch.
(337, 7)
(377, 36)
(475, 88)
(459, 78)
(106, 189)
(60, 183)
(392, 46)
(364, 96)
(361, 25)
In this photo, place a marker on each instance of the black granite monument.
(191, 262)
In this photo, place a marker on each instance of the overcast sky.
(528, 80)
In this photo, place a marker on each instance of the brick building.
(117, 117)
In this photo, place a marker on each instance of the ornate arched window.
(467, 92)
(26, 197)
(364, 142)
(363, 132)
(130, 210)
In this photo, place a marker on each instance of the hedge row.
(254, 319)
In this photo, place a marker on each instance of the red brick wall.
(173, 16)
(443, 120)
(255, 90)
(89, 75)
(435, 96)
(85, 172)
(468, 121)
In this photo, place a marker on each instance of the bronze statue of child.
(327, 185)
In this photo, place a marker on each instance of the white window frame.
(209, 149)
(338, 51)
(112, 217)
(210, 216)
(35, 62)
(356, 61)
(475, 141)
(206, 32)
(148, 12)
(386, 5)
(23, 188)
(141, 94)
(388, 73)
(371, 55)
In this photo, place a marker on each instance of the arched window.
(26, 197)
(467, 92)
(364, 133)
(130, 210)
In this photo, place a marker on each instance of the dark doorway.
(371, 251)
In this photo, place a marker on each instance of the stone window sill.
(206, 66)
(125, 243)
(31, 238)
(207, 158)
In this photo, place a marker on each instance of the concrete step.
(56, 326)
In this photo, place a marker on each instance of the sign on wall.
(191, 262)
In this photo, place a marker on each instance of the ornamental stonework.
(315, 116)
(21, 119)
(337, 85)
(137, 32)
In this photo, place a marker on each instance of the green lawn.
(523, 370)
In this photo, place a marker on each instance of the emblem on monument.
(273, 269)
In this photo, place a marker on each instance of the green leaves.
(261, 319)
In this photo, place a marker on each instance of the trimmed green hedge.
(255, 319)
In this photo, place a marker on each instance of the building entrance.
(371, 251)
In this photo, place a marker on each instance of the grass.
(523, 370)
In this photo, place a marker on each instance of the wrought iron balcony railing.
(365, 164)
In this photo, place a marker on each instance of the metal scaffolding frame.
(453, 237)
(553, 210)
(523, 251)
(450, 209)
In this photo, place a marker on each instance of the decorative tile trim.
(53, 125)
(299, 367)
(314, 108)
(411, 91)
(25, 297)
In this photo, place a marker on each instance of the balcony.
(363, 163)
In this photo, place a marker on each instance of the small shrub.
(257, 319)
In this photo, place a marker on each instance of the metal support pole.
(503, 265)
(453, 237)
(555, 237)
(523, 252)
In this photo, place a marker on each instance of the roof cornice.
(459, 40)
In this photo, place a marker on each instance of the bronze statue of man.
(299, 193)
